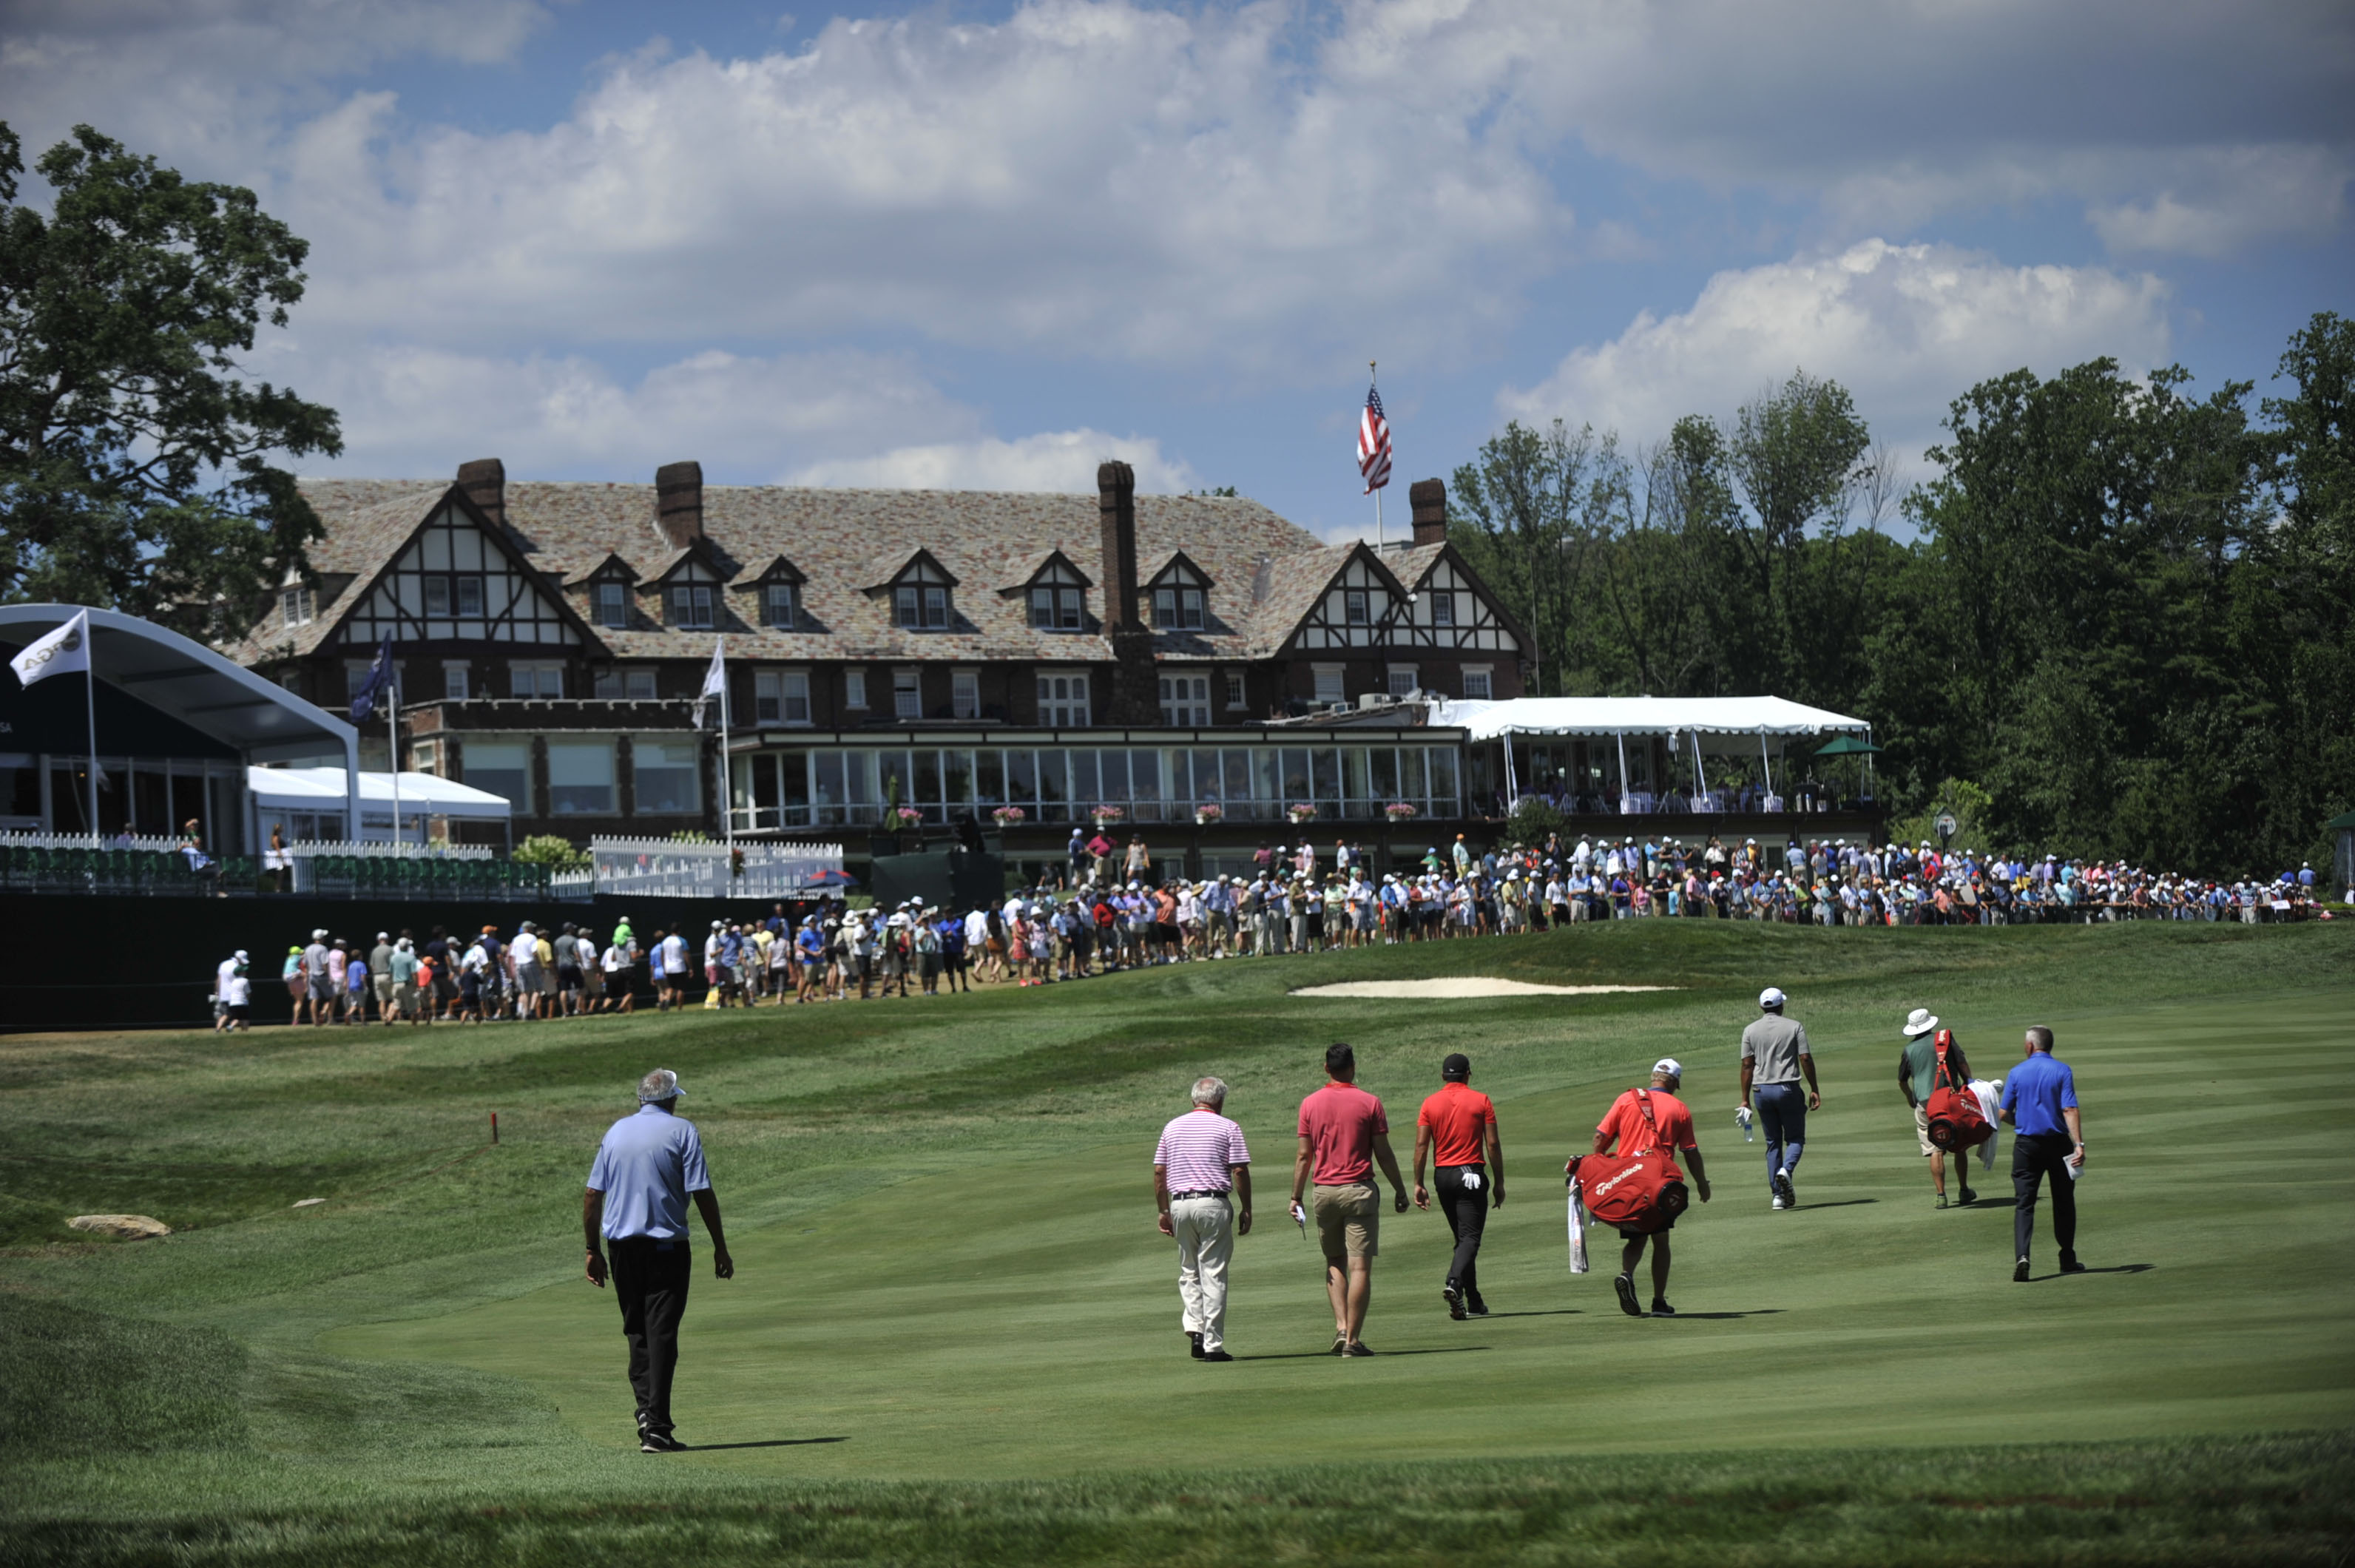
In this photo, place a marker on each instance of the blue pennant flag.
(378, 684)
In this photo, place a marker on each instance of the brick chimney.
(1429, 497)
(679, 502)
(1135, 698)
(484, 480)
(1116, 508)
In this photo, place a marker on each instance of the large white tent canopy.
(1646, 716)
(290, 790)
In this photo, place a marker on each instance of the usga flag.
(715, 682)
(63, 650)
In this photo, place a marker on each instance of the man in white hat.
(1774, 1058)
(1917, 1073)
(647, 1168)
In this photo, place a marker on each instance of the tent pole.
(89, 700)
(1765, 761)
(1512, 779)
(1622, 737)
(1700, 774)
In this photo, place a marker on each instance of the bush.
(554, 852)
(1975, 824)
(1533, 817)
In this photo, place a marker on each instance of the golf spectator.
(2040, 1100)
(1457, 1129)
(645, 1170)
(1200, 1161)
(404, 981)
(1917, 1073)
(380, 966)
(318, 994)
(1773, 1059)
(1343, 1134)
(1670, 1123)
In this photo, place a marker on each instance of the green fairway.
(952, 1310)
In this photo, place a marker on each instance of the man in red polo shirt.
(1342, 1133)
(1459, 1125)
(1670, 1123)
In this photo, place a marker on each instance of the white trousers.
(1206, 1243)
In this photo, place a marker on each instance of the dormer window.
(1058, 596)
(295, 606)
(781, 605)
(613, 604)
(921, 595)
(690, 606)
(1181, 596)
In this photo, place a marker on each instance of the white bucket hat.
(1920, 1020)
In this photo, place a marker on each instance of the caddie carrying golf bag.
(1641, 1193)
(1956, 1124)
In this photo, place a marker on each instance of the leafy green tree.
(552, 850)
(1541, 501)
(135, 453)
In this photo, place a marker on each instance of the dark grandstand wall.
(148, 963)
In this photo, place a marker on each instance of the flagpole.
(393, 738)
(90, 701)
(727, 776)
(1378, 495)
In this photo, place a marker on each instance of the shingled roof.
(841, 541)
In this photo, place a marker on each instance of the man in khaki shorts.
(1342, 1133)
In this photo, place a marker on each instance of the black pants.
(650, 1282)
(2032, 1160)
(1466, 1209)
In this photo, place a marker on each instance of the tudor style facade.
(551, 640)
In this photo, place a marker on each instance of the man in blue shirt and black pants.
(2040, 1099)
(636, 1199)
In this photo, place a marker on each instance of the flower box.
(1301, 811)
(1108, 813)
(1008, 816)
(1206, 814)
(1398, 811)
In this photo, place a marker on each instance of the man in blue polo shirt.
(2040, 1100)
(648, 1166)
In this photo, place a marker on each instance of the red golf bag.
(1642, 1192)
(1956, 1124)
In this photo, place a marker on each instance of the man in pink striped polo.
(1200, 1163)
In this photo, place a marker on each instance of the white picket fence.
(152, 843)
(664, 867)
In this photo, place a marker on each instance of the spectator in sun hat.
(1774, 1059)
(647, 1168)
(1673, 1124)
(1917, 1074)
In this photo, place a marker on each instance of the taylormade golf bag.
(1641, 1193)
(1956, 1123)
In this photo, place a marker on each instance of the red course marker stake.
(495, 1127)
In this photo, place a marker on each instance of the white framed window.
(1059, 608)
(965, 693)
(1402, 679)
(921, 607)
(668, 773)
(470, 597)
(1353, 606)
(1477, 683)
(907, 693)
(295, 605)
(1329, 687)
(781, 696)
(581, 778)
(1178, 607)
(690, 606)
(424, 757)
(456, 677)
(1185, 699)
(536, 677)
(781, 605)
(1063, 700)
(1234, 688)
(613, 603)
(1442, 609)
(854, 688)
(437, 596)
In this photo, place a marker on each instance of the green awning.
(1849, 746)
(2348, 820)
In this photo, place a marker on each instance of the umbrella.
(831, 877)
(1849, 746)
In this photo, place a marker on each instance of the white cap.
(1772, 996)
(1667, 1067)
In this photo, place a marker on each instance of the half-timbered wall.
(451, 584)
(1355, 611)
(1448, 614)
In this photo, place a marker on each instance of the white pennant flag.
(62, 651)
(715, 681)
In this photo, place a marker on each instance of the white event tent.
(1720, 725)
(311, 794)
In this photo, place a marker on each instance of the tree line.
(2116, 620)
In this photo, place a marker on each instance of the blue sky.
(985, 246)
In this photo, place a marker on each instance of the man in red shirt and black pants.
(1670, 1123)
(1342, 1133)
(1459, 1124)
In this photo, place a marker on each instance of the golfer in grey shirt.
(1773, 1059)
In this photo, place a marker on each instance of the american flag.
(1374, 444)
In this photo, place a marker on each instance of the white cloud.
(407, 410)
(1057, 459)
(1905, 328)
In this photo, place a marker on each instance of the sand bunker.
(1459, 987)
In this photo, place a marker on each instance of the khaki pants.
(1206, 1243)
